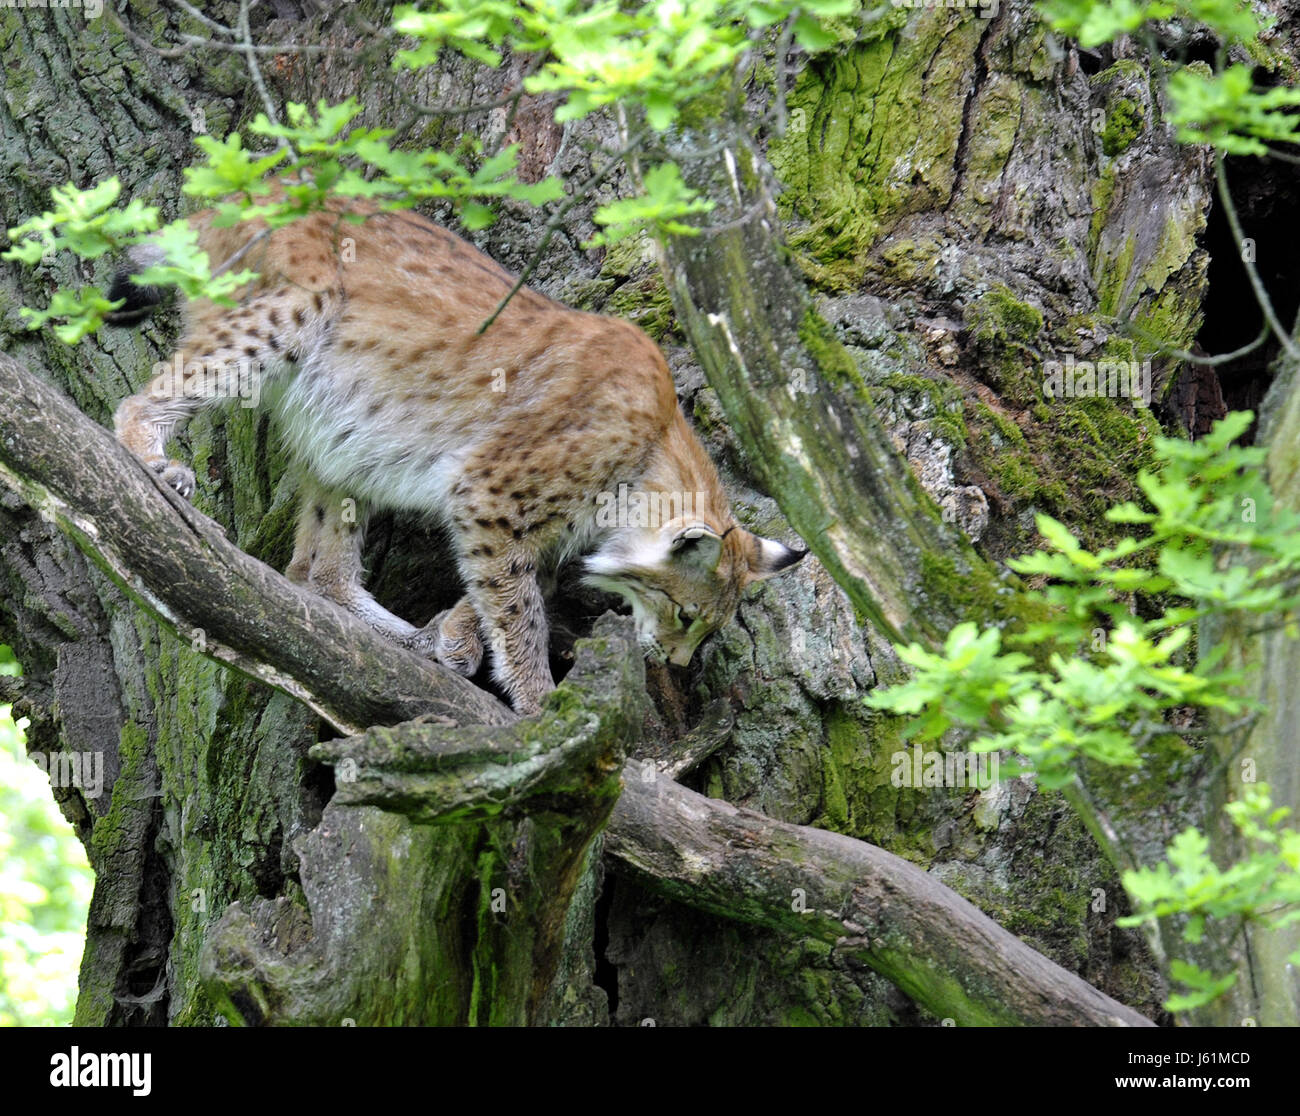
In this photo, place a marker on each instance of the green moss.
(998, 319)
(1074, 460)
(630, 285)
(1124, 122)
(852, 159)
(645, 302)
(1004, 330)
(128, 793)
(588, 294)
(947, 421)
(833, 360)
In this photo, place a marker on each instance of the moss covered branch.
(178, 564)
(799, 408)
(872, 907)
(470, 760)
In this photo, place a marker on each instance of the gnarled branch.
(177, 563)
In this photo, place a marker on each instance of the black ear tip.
(785, 557)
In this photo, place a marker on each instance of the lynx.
(524, 440)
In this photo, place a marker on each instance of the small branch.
(141, 41)
(242, 252)
(1192, 358)
(869, 905)
(253, 48)
(438, 773)
(207, 21)
(782, 73)
(254, 70)
(557, 219)
(1257, 284)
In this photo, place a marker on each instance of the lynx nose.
(682, 655)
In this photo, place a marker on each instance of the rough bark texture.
(957, 220)
(1267, 989)
(373, 939)
(869, 907)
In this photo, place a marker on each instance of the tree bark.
(870, 907)
(927, 262)
(324, 962)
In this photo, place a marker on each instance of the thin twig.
(207, 21)
(245, 48)
(250, 56)
(782, 49)
(748, 215)
(557, 219)
(464, 109)
(534, 64)
(239, 255)
(1192, 358)
(1114, 846)
(1261, 295)
(142, 42)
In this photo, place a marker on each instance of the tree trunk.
(953, 222)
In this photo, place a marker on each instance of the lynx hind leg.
(327, 557)
(452, 637)
(223, 357)
(144, 422)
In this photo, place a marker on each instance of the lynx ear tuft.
(769, 557)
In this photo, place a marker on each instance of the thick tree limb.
(786, 387)
(875, 907)
(439, 774)
(271, 963)
(178, 563)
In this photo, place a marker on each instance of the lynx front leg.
(452, 637)
(327, 557)
(506, 594)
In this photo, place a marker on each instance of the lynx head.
(684, 581)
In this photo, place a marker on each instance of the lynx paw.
(175, 475)
(462, 653)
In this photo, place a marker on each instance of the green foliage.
(45, 886)
(1263, 886)
(322, 155)
(84, 222)
(1222, 109)
(655, 57)
(658, 55)
(1213, 543)
(666, 199)
(1094, 22)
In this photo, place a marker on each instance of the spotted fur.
(363, 340)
